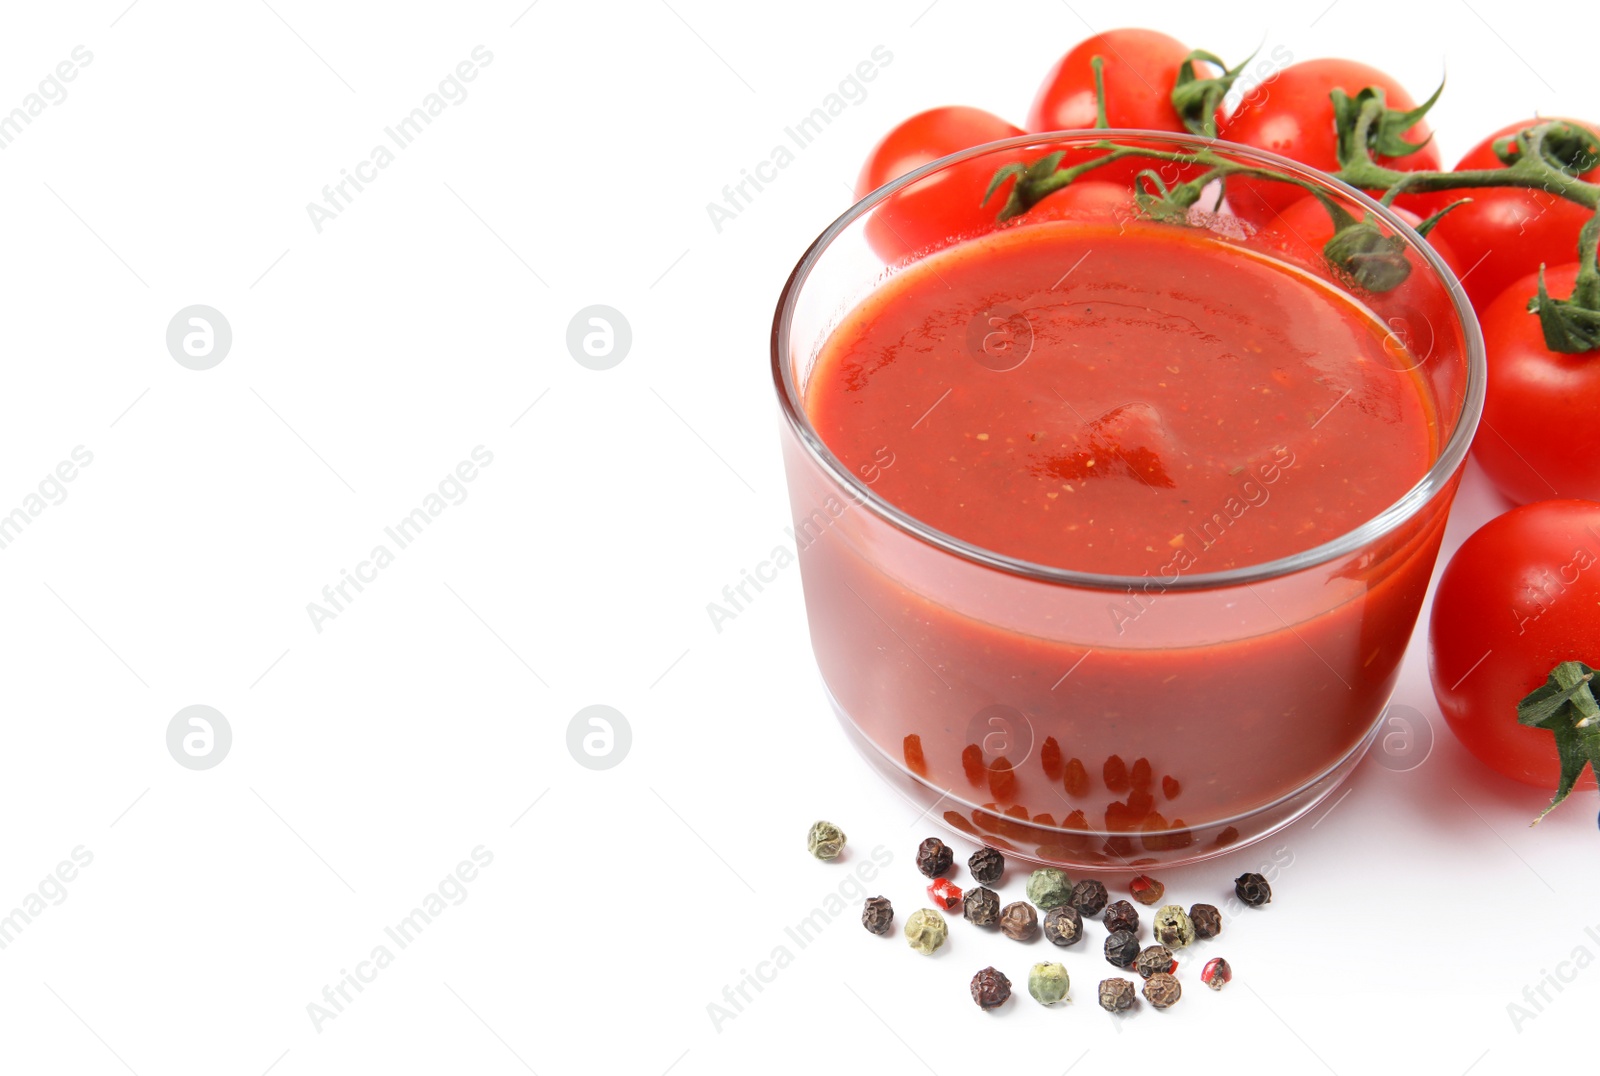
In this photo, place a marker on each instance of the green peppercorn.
(878, 915)
(825, 841)
(1063, 925)
(1253, 890)
(1117, 995)
(1121, 915)
(1122, 949)
(1154, 959)
(1206, 919)
(934, 857)
(1089, 896)
(1048, 887)
(1048, 983)
(986, 866)
(1173, 927)
(926, 931)
(990, 989)
(1019, 921)
(981, 907)
(1162, 990)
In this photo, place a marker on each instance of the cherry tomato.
(940, 206)
(1505, 233)
(1292, 115)
(1140, 69)
(1539, 437)
(1085, 200)
(1306, 224)
(1517, 599)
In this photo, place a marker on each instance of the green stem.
(1586, 290)
(1097, 65)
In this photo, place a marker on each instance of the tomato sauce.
(1092, 401)
(1148, 401)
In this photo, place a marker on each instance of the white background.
(372, 756)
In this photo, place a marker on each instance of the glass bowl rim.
(1450, 458)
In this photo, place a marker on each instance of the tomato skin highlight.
(1292, 115)
(1519, 597)
(1505, 233)
(932, 210)
(1539, 437)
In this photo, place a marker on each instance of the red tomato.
(1085, 200)
(1292, 115)
(1140, 69)
(1306, 223)
(1505, 233)
(940, 206)
(1516, 600)
(1539, 437)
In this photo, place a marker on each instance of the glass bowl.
(1112, 721)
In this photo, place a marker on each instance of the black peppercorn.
(1253, 890)
(1090, 896)
(934, 857)
(1207, 920)
(986, 866)
(1122, 949)
(1162, 990)
(1153, 960)
(990, 989)
(981, 907)
(1019, 921)
(1063, 925)
(1122, 916)
(878, 915)
(1116, 995)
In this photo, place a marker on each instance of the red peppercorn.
(1146, 890)
(945, 893)
(1217, 973)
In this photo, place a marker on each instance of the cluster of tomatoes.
(1523, 594)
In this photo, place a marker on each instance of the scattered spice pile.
(1066, 905)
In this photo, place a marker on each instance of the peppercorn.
(934, 857)
(1063, 925)
(1162, 990)
(1089, 896)
(1154, 960)
(990, 989)
(1206, 919)
(981, 907)
(1146, 890)
(1117, 995)
(1122, 949)
(986, 866)
(1019, 921)
(1048, 887)
(1217, 973)
(1048, 983)
(925, 930)
(1253, 890)
(825, 841)
(1173, 927)
(945, 893)
(1121, 915)
(877, 915)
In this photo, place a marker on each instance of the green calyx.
(1572, 325)
(1197, 99)
(1565, 704)
(1375, 261)
(1564, 146)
